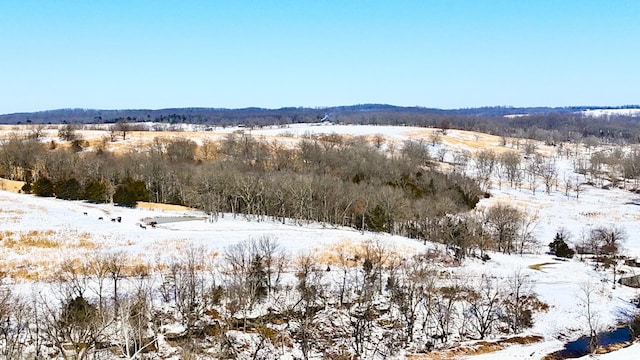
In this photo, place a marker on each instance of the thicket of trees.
(330, 179)
(256, 301)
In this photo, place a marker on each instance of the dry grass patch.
(157, 206)
(6, 234)
(477, 348)
(84, 241)
(12, 211)
(25, 270)
(350, 253)
(31, 239)
(539, 266)
(138, 267)
(11, 185)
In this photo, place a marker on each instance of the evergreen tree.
(376, 219)
(69, 189)
(125, 196)
(559, 247)
(43, 187)
(138, 188)
(95, 191)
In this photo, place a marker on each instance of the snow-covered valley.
(39, 235)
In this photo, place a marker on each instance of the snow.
(610, 112)
(560, 284)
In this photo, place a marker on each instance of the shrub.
(26, 188)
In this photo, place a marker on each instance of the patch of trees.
(330, 179)
(256, 301)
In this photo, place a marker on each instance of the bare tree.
(483, 306)
(115, 266)
(67, 132)
(549, 174)
(310, 294)
(407, 288)
(504, 223)
(460, 161)
(587, 300)
(75, 329)
(36, 131)
(520, 302)
(135, 335)
(247, 276)
(189, 286)
(445, 310)
(527, 240)
(485, 166)
(122, 127)
(608, 241)
(15, 316)
(416, 152)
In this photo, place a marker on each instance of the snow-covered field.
(611, 112)
(77, 231)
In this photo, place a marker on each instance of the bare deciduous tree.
(485, 161)
(504, 223)
(483, 306)
(587, 299)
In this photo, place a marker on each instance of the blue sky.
(124, 54)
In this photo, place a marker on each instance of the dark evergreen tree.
(376, 219)
(43, 187)
(69, 189)
(138, 188)
(26, 188)
(559, 247)
(95, 191)
(125, 196)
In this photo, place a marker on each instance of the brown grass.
(25, 270)
(157, 206)
(12, 211)
(11, 185)
(539, 266)
(30, 239)
(348, 253)
(36, 255)
(477, 348)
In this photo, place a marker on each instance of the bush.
(26, 188)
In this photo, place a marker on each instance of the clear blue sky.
(124, 54)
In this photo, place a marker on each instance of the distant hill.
(542, 123)
(259, 115)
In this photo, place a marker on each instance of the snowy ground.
(559, 283)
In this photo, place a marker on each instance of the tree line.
(542, 123)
